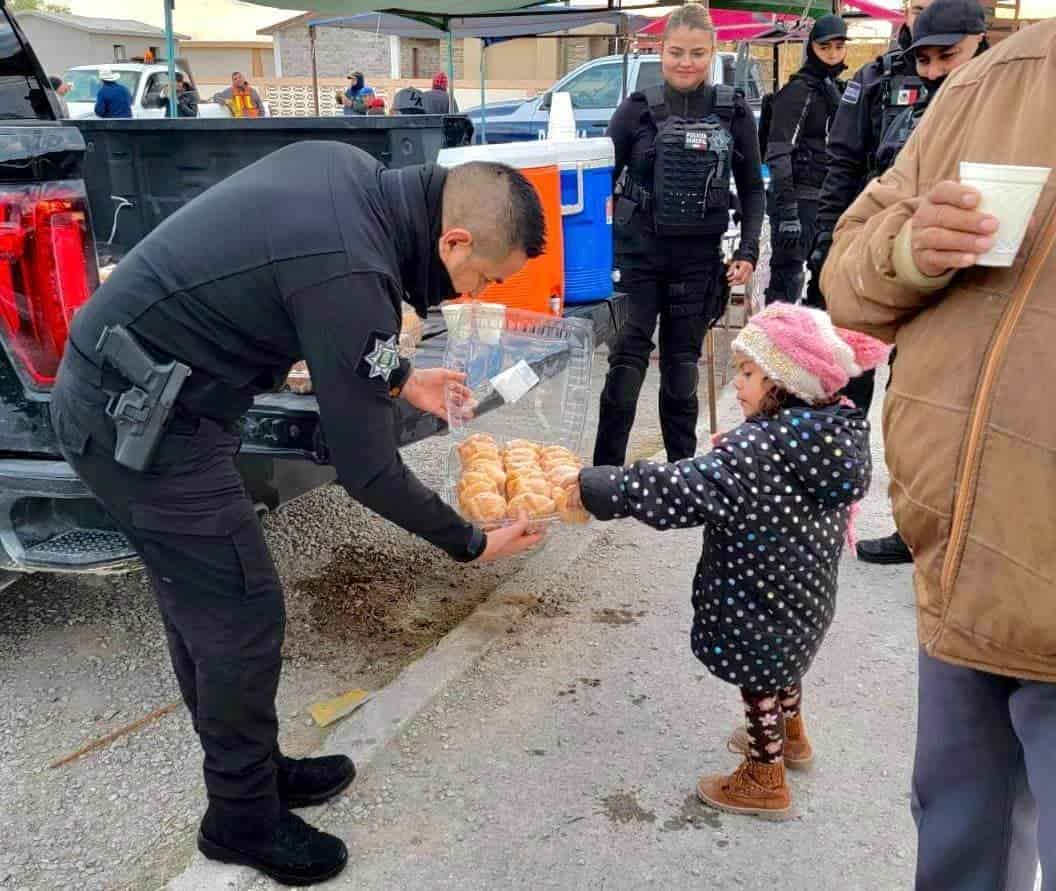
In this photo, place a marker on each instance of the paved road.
(567, 758)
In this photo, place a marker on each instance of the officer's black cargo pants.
(787, 265)
(221, 603)
(680, 282)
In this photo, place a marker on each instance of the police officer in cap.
(676, 146)
(873, 98)
(946, 35)
(306, 254)
(802, 112)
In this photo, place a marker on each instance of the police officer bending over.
(305, 254)
(676, 145)
(797, 157)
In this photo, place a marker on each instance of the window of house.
(120, 55)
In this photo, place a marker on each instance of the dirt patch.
(693, 815)
(623, 808)
(385, 609)
(616, 616)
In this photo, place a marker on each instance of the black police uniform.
(796, 154)
(304, 254)
(674, 155)
(878, 93)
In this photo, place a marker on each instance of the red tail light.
(47, 270)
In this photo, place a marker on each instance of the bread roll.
(524, 473)
(531, 504)
(555, 457)
(521, 485)
(516, 444)
(491, 469)
(472, 477)
(475, 489)
(470, 452)
(485, 507)
(520, 456)
(563, 473)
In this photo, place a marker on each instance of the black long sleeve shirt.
(305, 254)
(633, 133)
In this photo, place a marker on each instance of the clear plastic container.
(531, 379)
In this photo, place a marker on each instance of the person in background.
(113, 99)
(354, 99)
(677, 145)
(409, 100)
(970, 447)
(186, 97)
(878, 93)
(803, 110)
(242, 100)
(61, 89)
(438, 100)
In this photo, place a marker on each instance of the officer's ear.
(455, 244)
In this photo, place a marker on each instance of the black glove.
(789, 229)
(819, 253)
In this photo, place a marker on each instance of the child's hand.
(570, 504)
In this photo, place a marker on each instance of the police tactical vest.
(896, 136)
(694, 158)
(900, 92)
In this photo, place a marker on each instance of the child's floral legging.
(764, 713)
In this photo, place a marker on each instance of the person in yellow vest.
(241, 98)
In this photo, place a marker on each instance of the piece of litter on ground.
(330, 710)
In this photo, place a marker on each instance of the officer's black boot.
(307, 781)
(885, 551)
(287, 849)
(619, 402)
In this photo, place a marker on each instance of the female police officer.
(676, 145)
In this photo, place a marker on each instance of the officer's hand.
(820, 253)
(510, 540)
(947, 232)
(427, 389)
(739, 272)
(789, 233)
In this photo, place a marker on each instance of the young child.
(776, 498)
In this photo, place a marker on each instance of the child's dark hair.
(775, 400)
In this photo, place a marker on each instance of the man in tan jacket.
(971, 444)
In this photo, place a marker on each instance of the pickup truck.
(596, 89)
(146, 83)
(59, 177)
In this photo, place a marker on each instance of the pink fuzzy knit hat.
(802, 351)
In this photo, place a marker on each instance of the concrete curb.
(365, 733)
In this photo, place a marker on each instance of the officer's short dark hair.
(498, 205)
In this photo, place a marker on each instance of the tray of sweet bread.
(498, 482)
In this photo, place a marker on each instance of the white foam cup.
(1010, 193)
(491, 319)
(457, 319)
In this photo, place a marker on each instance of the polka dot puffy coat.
(774, 497)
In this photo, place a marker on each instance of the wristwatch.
(399, 377)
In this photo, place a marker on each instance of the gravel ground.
(81, 657)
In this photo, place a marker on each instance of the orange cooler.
(540, 286)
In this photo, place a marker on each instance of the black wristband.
(478, 543)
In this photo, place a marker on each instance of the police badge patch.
(381, 356)
(852, 93)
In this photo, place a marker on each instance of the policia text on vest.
(675, 154)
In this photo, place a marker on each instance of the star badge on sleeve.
(381, 360)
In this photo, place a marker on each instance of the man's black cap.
(828, 27)
(946, 22)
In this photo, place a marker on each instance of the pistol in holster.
(140, 413)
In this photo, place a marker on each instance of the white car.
(145, 82)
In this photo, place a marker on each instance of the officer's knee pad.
(622, 385)
(679, 380)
